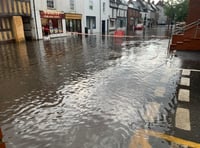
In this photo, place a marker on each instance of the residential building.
(162, 18)
(93, 14)
(145, 12)
(15, 20)
(149, 12)
(118, 14)
(133, 15)
(104, 16)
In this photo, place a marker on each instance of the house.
(162, 18)
(15, 20)
(118, 15)
(144, 10)
(133, 15)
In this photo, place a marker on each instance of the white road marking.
(152, 111)
(183, 119)
(159, 92)
(184, 95)
(185, 81)
(186, 72)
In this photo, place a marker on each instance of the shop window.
(50, 3)
(51, 26)
(91, 22)
(72, 5)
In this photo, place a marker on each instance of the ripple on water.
(91, 102)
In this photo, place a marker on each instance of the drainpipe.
(37, 36)
(100, 18)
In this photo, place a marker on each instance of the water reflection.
(68, 93)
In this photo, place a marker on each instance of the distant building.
(162, 18)
(133, 15)
(118, 14)
(15, 20)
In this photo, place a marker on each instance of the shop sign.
(73, 16)
(51, 14)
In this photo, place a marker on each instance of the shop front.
(73, 22)
(52, 23)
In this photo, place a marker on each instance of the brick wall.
(194, 11)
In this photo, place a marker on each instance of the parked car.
(138, 27)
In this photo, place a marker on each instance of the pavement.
(186, 117)
(188, 96)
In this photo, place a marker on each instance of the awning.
(52, 14)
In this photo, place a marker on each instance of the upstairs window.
(72, 5)
(104, 6)
(91, 4)
(50, 3)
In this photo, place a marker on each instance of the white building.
(48, 18)
(162, 18)
(94, 15)
(56, 18)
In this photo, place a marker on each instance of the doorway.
(103, 27)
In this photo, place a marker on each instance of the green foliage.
(177, 9)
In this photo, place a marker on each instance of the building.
(48, 18)
(162, 18)
(104, 16)
(118, 15)
(145, 12)
(133, 15)
(15, 20)
(187, 38)
(73, 16)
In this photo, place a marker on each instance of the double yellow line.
(141, 138)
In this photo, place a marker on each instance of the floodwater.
(86, 92)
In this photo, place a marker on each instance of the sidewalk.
(187, 117)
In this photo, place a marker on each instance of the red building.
(133, 15)
(188, 38)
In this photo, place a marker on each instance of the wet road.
(91, 92)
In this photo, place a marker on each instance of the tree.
(176, 10)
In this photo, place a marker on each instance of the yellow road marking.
(143, 133)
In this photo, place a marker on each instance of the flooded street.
(88, 91)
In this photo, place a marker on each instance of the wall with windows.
(92, 15)
(51, 21)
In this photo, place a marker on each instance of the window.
(91, 4)
(72, 5)
(91, 22)
(104, 6)
(50, 3)
(112, 23)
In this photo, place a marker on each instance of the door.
(103, 27)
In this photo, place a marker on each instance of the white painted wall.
(162, 17)
(42, 6)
